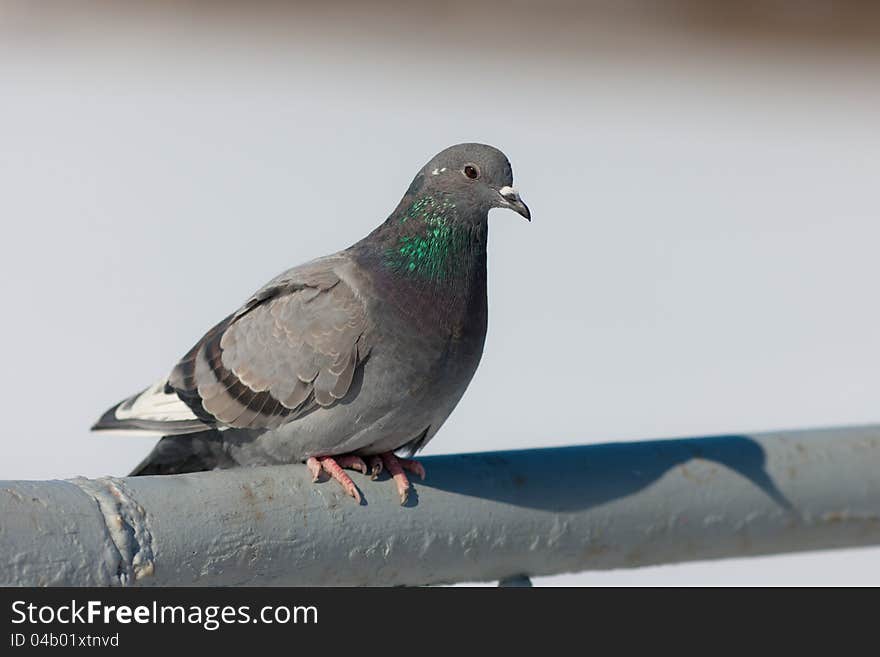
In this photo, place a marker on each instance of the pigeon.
(352, 361)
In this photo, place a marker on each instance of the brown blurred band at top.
(480, 24)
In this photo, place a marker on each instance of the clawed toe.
(413, 466)
(332, 466)
(396, 466)
(352, 462)
(314, 466)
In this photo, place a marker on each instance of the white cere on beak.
(509, 193)
(437, 172)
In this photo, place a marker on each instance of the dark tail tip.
(194, 452)
(108, 421)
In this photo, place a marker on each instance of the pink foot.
(333, 467)
(396, 466)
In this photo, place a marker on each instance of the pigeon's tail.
(192, 452)
(156, 410)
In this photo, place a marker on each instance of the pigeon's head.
(477, 176)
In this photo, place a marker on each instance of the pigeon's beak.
(512, 200)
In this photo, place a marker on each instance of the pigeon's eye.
(471, 171)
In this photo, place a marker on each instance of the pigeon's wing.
(293, 346)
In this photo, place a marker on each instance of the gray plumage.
(364, 351)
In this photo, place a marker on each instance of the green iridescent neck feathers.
(432, 244)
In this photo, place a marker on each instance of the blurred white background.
(702, 260)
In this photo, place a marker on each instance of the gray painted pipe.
(492, 516)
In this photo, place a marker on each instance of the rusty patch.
(250, 497)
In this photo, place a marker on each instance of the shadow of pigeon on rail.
(589, 475)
